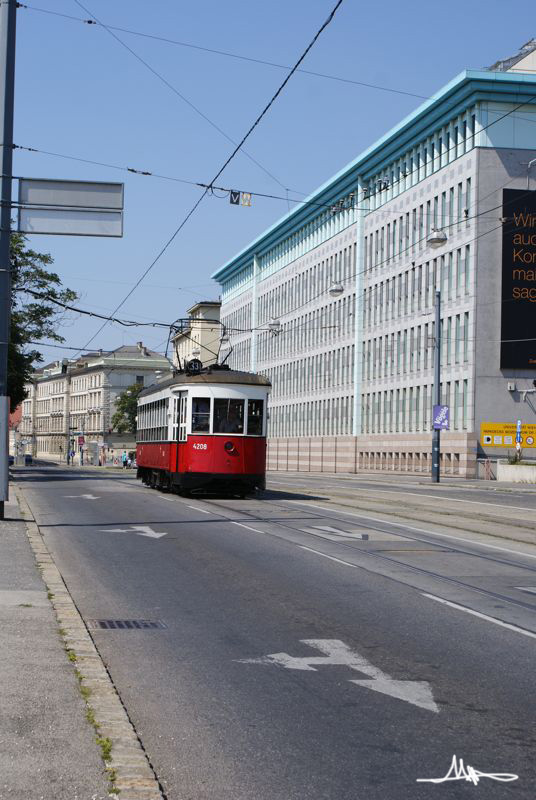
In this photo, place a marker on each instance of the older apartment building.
(335, 302)
(200, 336)
(70, 404)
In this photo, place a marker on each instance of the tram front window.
(200, 414)
(228, 416)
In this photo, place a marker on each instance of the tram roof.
(216, 377)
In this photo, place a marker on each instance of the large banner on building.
(518, 318)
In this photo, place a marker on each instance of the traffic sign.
(506, 434)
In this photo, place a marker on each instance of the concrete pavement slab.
(47, 749)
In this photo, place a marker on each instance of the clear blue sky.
(80, 93)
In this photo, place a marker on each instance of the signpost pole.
(8, 13)
(437, 388)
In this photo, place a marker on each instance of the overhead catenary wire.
(409, 247)
(264, 327)
(178, 324)
(183, 97)
(306, 201)
(198, 202)
(147, 173)
(225, 53)
(228, 328)
(412, 245)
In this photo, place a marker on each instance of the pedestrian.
(124, 459)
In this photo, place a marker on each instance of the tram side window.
(200, 414)
(228, 416)
(255, 412)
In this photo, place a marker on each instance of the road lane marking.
(84, 496)
(246, 526)
(413, 528)
(530, 589)
(140, 530)
(168, 499)
(481, 616)
(337, 653)
(202, 510)
(331, 558)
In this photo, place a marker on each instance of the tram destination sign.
(518, 315)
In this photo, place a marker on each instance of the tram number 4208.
(200, 446)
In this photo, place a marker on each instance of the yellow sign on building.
(503, 434)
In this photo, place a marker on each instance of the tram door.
(181, 420)
(183, 399)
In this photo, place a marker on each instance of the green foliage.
(32, 319)
(515, 458)
(126, 408)
(105, 745)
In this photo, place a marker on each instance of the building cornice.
(466, 89)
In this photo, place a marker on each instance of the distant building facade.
(200, 336)
(335, 302)
(70, 404)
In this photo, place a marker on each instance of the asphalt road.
(300, 659)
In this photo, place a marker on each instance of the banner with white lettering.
(518, 315)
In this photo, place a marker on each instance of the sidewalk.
(47, 748)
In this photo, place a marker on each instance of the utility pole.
(437, 388)
(8, 15)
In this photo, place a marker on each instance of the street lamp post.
(436, 437)
(435, 239)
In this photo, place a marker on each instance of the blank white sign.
(71, 222)
(72, 208)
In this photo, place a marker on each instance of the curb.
(129, 770)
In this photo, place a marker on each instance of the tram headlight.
(229, 447)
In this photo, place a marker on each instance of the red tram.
(204, 431)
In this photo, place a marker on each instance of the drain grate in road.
(126, 624)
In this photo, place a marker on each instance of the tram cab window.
(228, 416)
(255, 412)
(200, 414)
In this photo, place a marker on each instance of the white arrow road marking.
(141, 530)
(85, 496)
(418, 693)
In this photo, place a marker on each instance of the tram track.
(348, 547)
(423, 509)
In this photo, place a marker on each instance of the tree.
(126, 409)
(32, 318)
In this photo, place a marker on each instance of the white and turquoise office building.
(335, 301)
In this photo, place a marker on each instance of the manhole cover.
(126, 624)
